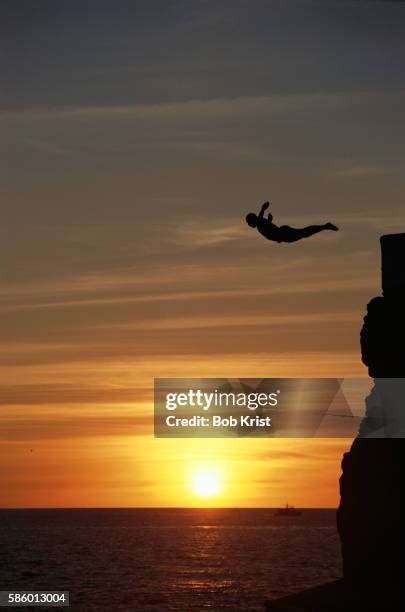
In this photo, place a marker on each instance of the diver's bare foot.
(332, 227)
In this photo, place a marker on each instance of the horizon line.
(163, 507)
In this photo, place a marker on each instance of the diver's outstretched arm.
(263, 208)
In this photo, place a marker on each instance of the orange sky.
(91, 443)
(98, 304)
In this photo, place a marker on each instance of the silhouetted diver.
(284, 233)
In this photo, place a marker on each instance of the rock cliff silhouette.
(369, 517)
(369, 514)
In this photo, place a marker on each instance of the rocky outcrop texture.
(369, 517)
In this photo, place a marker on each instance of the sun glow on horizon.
(206, 482)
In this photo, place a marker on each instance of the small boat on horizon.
(288, 511)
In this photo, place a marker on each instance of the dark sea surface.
(167, 559)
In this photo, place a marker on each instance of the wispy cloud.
(58, 427)
(244, 322)
(202, 235)
(361, 171)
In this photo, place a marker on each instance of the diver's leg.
(310, 230)
(292, 234)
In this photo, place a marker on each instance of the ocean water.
(167, 559)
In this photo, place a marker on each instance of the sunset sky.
(135, 137)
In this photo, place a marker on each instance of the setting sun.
(206, 483)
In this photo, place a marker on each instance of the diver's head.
(251, 219)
